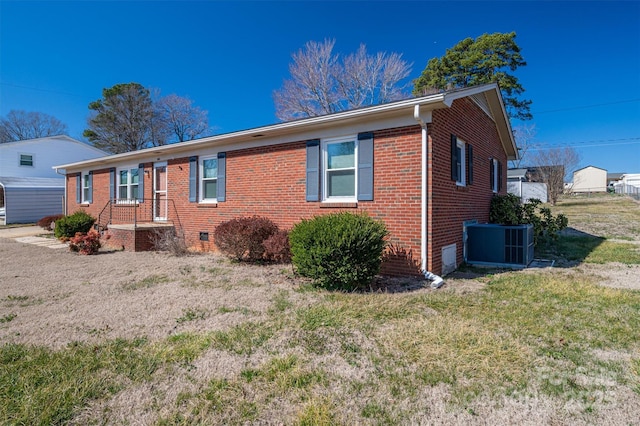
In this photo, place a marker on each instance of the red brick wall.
(270, 181)
(452, 204)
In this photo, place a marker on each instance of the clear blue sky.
(583, 72)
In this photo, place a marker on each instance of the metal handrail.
(134, 211)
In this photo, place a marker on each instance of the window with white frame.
(209, 179)
(460, 162)
(26, 160)
(86, 187)
(339, 168)
(128, 181)
(495, 175)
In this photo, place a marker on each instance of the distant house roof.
(614, 176)
(31, 182)
(533, 173)
(516, 173)
(589, 167)
(60, 137)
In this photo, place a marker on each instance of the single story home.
(589, 179)
(425, 166)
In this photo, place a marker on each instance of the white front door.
(160, 202)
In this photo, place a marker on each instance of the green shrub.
(507, 210)
(242, 238)
(69, 226)
(341, 251)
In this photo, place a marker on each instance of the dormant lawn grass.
(529, 347)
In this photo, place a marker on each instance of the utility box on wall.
(499, 245)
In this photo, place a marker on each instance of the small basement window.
(204, 236)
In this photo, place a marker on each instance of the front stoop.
(131, 237)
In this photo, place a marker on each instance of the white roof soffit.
(431, 102)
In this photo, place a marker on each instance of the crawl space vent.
(449, 259)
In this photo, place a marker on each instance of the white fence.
(631, 190)
(528, 190)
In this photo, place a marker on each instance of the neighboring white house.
(29, 186)
(589, 179)
(519, 185)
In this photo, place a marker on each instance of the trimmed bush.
(45, 222)
(87, 244)
(242, 238)
(277, 247)
(507, 210)
(340, 251)
(78, 222)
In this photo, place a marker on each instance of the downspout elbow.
(436, 280)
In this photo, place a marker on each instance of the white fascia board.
(449, 97)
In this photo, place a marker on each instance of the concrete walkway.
(29, 235)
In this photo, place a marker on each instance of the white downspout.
(436, 281)
(64, 202)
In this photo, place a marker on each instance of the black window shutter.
(193, 179)
(313, 170)
(222, 179)
(112, 183)
(365, 166)
(90, 195)
(470, 162)
(454, 158)
(79, 188)
(141, 182)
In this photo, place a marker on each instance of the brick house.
(424, 166)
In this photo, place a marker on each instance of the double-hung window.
(128, 183)
(340, 170)
(461, 162)
(207, 179)
(86, 187)
(209, 183)
(495, 175)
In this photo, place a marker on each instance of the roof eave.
(431, 102)
(274, 130)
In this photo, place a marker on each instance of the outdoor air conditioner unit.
(499, 245)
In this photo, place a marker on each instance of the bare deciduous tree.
(553, 165)
(182, 119)
(322, 84)
(22, 125)
(524, 135)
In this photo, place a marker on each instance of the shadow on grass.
(570, 248)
